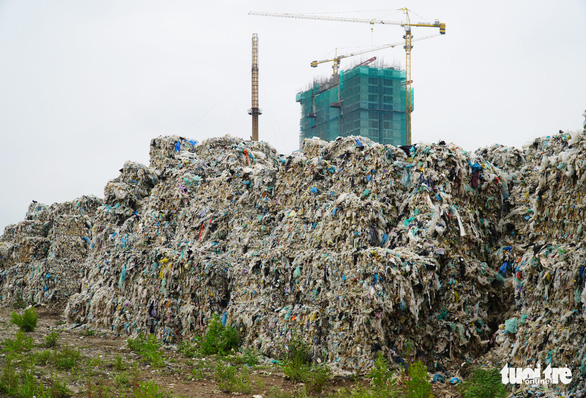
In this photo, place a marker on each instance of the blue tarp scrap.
(475, 166)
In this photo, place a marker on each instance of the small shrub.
(20, 343)
(29, 386)
(199, 370)
(122, 380)
(317, 378)
(250, 357)
(9, 379)
(418, 386)
(297, 361)
(67, 358)
(483, 383)
(277, 392)
(27, 321)
(149, 348)
(246, 357)
(382, 378)
(148, 389)
(59, 390)
(51, 339)
(42, 357)
(88, 332)
(231, 379)
(187, 349)
(119, 363)
(219, 339)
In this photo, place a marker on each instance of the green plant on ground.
(298, 366)
(187, 349)
(382, 378)
(218, 339)
(245, 357)
(277, 392)
(417, 384)
(19, 344)
(67, 358)
(51, 339)
(250, 357)
(149, 389)
(9, 379)
(358, 392)
(23, 384)
(27, 321)
(122, 380)
(297, 361)
(99, 389)
(58, 389)
(119, 363)
(149, 348)
(199, 370)
(88, 332)
(231, 379)
(483, 383)
(317, 378)
(42, 358)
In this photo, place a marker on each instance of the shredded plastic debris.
(430, 252)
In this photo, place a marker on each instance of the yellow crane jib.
(373, 21)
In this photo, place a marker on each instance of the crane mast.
(407, 25)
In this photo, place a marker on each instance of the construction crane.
(407, 25)
(337, 58)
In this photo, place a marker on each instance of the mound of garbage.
(360, 248)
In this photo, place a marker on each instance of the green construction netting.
(366, 101)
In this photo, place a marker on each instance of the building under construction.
(365, 100)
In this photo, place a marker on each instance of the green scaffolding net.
(366, 101)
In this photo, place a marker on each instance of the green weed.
(317, 378)
(149, 348)
(51, 339)
(483, 383)
(27, 321)
(22, 384)
(67, 358)
(119, 363)
(231, 379)
(88, 332)
(382, 378)
(187, 349)
(19, 344)
(297, 361)
(277, 392)
(417, 385)
(42, 358)
(199, 370)
(122, 380)
(58, 390)
(149, 389)
(219, 339)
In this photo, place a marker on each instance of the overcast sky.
(85, 85)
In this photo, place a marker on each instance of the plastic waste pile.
(543, 259)
(41, 258)
(426, 250)
(356, 246)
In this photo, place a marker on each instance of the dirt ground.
(99, 350)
